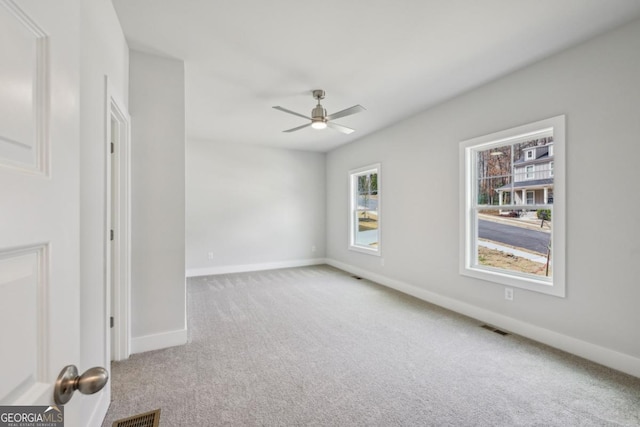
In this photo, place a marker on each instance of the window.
(364, 216)
(551, 169)
(529, 172)
(512, 226)
(530, 154)
(531, 198)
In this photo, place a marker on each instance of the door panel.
(39, 197)
(22, 317)
(23, 71)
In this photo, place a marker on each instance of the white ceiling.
(394, 57)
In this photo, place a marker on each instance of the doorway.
(118, 220)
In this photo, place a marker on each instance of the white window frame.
(469, 266)
(529, 172)
(353, 190)
(533, 197)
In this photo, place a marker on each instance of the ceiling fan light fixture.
(319, 124)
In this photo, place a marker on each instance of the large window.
(512, 226)
(365, 209)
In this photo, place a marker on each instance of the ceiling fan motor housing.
(319, 113)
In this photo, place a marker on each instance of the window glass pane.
(518, 242)
(366, 229)
(365, 210)
(494, 174)
(517, 238)
(490, 191)
(514, 173)
(531, 160)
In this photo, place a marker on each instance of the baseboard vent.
(148, 419)
(496, 330)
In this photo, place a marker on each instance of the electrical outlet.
(508, 294)
(210, 255)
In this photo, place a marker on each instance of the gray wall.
(156, 105)
(253, 207)
(596, 86)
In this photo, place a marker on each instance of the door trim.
(115, 111)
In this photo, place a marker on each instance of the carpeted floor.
(314, 346)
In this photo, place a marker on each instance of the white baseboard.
(243, 268)
(602, 355)
(158, 341)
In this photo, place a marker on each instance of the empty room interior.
(337, 213)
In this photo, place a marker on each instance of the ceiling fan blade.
(340, 128)
(292, 112)
(349, 111)
(298, 128)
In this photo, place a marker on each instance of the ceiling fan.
(320, 119)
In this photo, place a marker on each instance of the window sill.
(364, 250)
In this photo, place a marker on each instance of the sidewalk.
(528, 223)
(522, 254)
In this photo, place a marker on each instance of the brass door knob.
(92, 381)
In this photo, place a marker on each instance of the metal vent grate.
(148, 419)
(496, 330)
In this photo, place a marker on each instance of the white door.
(39, 199)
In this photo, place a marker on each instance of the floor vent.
(496, 330)
(357, 277)
(148, 419)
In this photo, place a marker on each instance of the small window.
(529, 172)
(530, 154)
(512, 221)
(364, 216)
(531, 197)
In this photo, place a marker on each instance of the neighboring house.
(532, 177)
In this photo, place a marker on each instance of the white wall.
(104, 51)
(253, 207)
(596, 86)
(156, 105)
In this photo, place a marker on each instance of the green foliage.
(544, 214)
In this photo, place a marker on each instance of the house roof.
(547, 182)
(542, 154)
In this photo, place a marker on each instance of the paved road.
(515, 236)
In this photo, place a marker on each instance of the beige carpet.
(314, 346)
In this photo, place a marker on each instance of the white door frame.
(118, 201)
